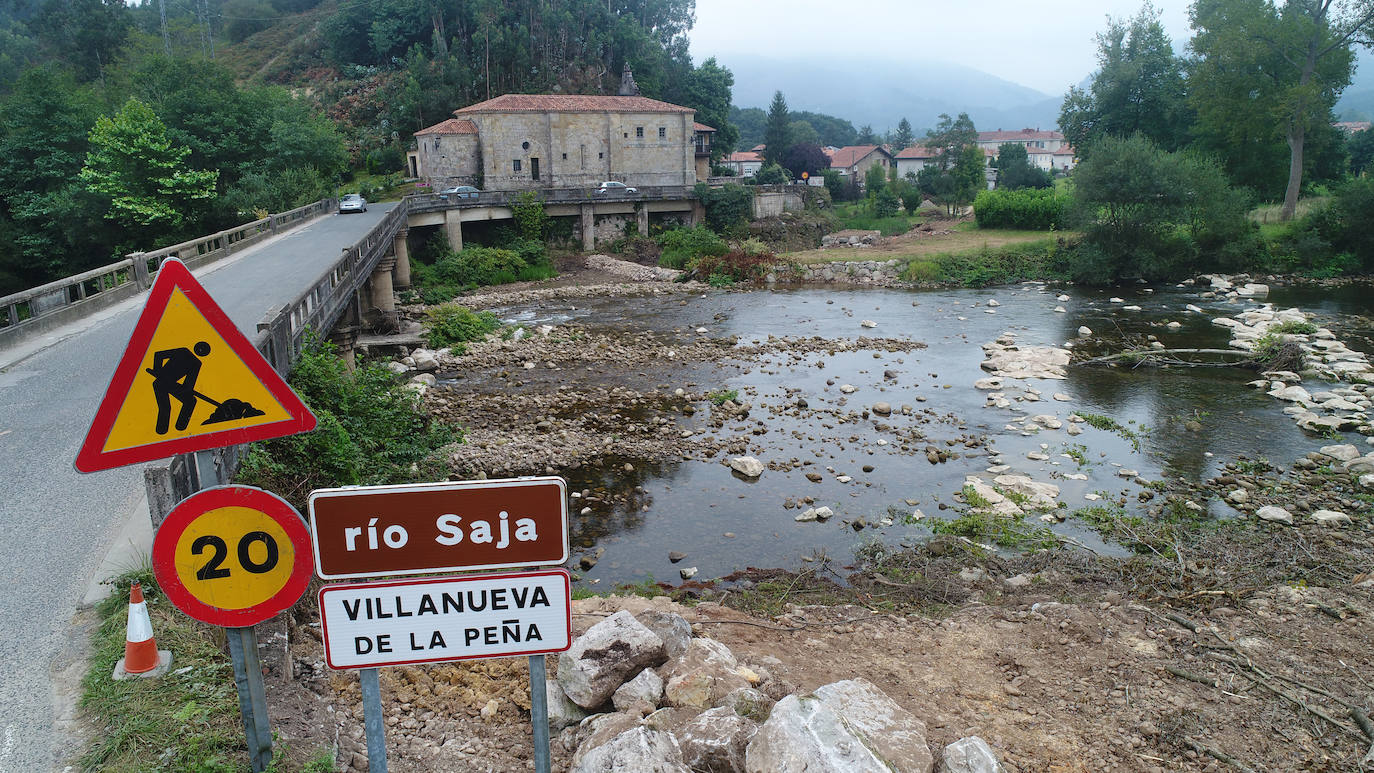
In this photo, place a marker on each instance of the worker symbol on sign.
(174, 375)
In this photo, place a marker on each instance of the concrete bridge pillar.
(698, 214)
(382, 298)
(588, 220)
(642, 219)
(400, 275)
(453, 227)
(345, 339)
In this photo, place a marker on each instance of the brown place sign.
(372, 531)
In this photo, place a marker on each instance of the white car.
(352, 202)
(613, 188)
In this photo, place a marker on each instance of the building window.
(662, 133)
(524, 146)
(565, 156)
(600, 155)
(639, 132)
(517, 165)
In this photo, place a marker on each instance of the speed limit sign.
(232, 556)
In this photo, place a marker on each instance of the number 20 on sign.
(233, 556)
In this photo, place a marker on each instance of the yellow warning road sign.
(188, 381)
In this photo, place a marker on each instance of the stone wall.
(877, 273)
(449, 159)
(774, 203)
(582, 149)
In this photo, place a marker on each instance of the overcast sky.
(1047, 46)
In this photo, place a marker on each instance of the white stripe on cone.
(140, 627)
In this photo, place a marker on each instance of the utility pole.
(166, 42)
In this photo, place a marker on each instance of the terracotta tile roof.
(451, 126)
(852, 154)
(701, 127)
(916, 152)
(571, 103)
(743, 156)
(1031, 151)
(1350, 127)
(1022, 134)
(1066, 150)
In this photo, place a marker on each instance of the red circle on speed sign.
(232, 555)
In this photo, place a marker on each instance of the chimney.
(628, 87)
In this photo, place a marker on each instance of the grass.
(855, 216)
(1108, 424)
(179, 722)
(1269, 214)
(1079, 453)
(1007, 532)
(722, 396)
(958, 243)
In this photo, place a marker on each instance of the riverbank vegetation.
(372, 430)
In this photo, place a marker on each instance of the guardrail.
(33, 311)
(431, 202)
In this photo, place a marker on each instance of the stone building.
(532, 141)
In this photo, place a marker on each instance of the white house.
(1033, 139)
(745, 163)
(911, 160)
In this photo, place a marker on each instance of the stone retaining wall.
(875, 273)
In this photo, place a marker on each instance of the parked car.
(352, 202)
(460, 192)
(614, 188)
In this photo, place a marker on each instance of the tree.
(1139, 87)
(141, 173)
(1291, 62)
(1148, 213)
(708, 91)
(799, 132)
(777, 134)
(1014, 169)
(1361, 147)
(805, 157)
(866, 136)
(86, 34)
(949, 137)
(903, 137)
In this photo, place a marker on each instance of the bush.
(772, 174)
(731, 267)
(372, 430)
(1050, 259)
(727, 207)
(886, 203)
(1025, 209)
(452, 325)
(683, 247)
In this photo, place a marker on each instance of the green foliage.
(1139, 88)
(452, 325)
(1044, 260)
(1015, 171)
(809, 158)
(528, 213)
(1152, 214)
(777, 134)
(727, 207)
(141, 174)
(734, 267)
(1293, 327)
(771, 174)
(903, 136)
(1108, 424)
(1338, 238)
(707, 91)
(1007, 532)
(684, 247)
(722, 396)
(451, 272)
(885, 203)
(1027, 210)
(372, 430)
(861, 217)
(1360, 148)
(875, 180)
(830, 130)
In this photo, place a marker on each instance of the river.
(725, 523)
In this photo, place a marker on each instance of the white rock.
(1060, 310)
(1084, 331)
(1062, 298)
(562, 711)
(609, 653)
(1040, 494)
(640, 695)
(1345, 452)
(988, 383)
(1276, 514)
(1174, 325)
(688, 572)
(747, 466)
(396, 367)
(868, 323)
(1063, 398)
(716, 739)
(970, 755)
(1331, 518)
(848, 389)
(823, 513)
(993, 303)
(1047, 421)
(1115, 300)
(1193, 309)
(641, 749)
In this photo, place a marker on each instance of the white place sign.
(402, 622)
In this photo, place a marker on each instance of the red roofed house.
(913, 158)
(745, 163)
(855, 160)
(529, 141)
(701, 138)
(1031, 138)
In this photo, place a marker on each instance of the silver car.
(352, 202)
(459, 192)
(614, 188)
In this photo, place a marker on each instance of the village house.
(914, 158)
(532, 141)
(855, 160)
(1031, 138)
(745, 163)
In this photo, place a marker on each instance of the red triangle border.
(173, 275)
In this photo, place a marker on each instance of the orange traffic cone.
(141, 656)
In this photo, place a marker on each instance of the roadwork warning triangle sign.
(188, 381)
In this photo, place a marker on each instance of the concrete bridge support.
(642, 219)
(380, 299)
(453, 228)
(587, 218)
(400, 276)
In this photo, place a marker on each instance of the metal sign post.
(243, 651)
(372, 720)
(539, 713)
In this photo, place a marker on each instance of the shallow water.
(725, 523)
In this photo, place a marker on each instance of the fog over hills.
(881, 92)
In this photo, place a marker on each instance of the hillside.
(880, 93)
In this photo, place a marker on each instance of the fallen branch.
(1190, 676)
(1218, 754)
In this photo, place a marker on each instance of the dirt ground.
(1061, 661)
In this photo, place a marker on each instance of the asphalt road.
(56, 524)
